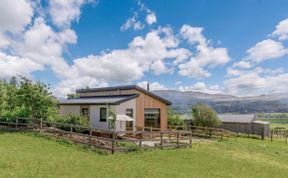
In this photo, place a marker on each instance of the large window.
(103, 114)
(152, 117)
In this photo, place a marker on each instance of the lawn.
(30, 155)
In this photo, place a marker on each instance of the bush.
(204, 116)
(74, 120)
(175, 120)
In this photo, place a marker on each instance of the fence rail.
(104, 139)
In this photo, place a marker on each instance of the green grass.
(30, 155)
(276, 122)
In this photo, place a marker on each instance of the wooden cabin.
(146, 108)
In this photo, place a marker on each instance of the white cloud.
(281, 30)
(203, 88)
(151, 18)
(135, 21)
(152, 85)
(132, 22)
(144, 54)
(13, 65)
(206, 56)
(64, 12)
(70, 85)
(257, 81)
(266, 49)
(15, 15)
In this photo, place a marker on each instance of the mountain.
(182, 102)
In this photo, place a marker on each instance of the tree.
(174, 118)
(205, 116)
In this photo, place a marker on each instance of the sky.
(237, 47)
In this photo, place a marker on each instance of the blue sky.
(237, 47)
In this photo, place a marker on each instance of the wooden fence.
(279, 134)
(109, 140)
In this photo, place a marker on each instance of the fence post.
(286, 135)
(71, 131)
(177, 138)
(161, 142)
(262, 136)
(113, 142)
(221, 134)
(271, 134)
(90, 136)
(41, 123)
(190, 139)
(16, 122)
(151, 132)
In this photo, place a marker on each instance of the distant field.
(30, 155)
(276, 122)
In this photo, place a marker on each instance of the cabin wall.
(69, 109)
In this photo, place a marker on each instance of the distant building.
(243, 123)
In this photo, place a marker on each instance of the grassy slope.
(26, 155)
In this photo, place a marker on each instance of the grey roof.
(237, 118)
(124, 87)
(186, 117)
(99, 100)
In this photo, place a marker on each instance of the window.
(152, 117)
(85, 111)
(103, 114)
(129, 124)
(129, 112)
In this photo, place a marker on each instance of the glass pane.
(152, 117)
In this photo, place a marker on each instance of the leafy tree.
(174, 118)
(205, 116)
(73, 95)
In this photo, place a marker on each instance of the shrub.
(204, 116)
(74, 120)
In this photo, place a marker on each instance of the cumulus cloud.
(144, 54)
(206, 56)
(63, 13)
(281, 30)
(152, 85)
(258, 81)
(14, 65)
(15, 15)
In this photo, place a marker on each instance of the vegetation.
(24, 98)
(174, 118)
(38, 156)
(205, 116)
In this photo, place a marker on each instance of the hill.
(182, 101)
